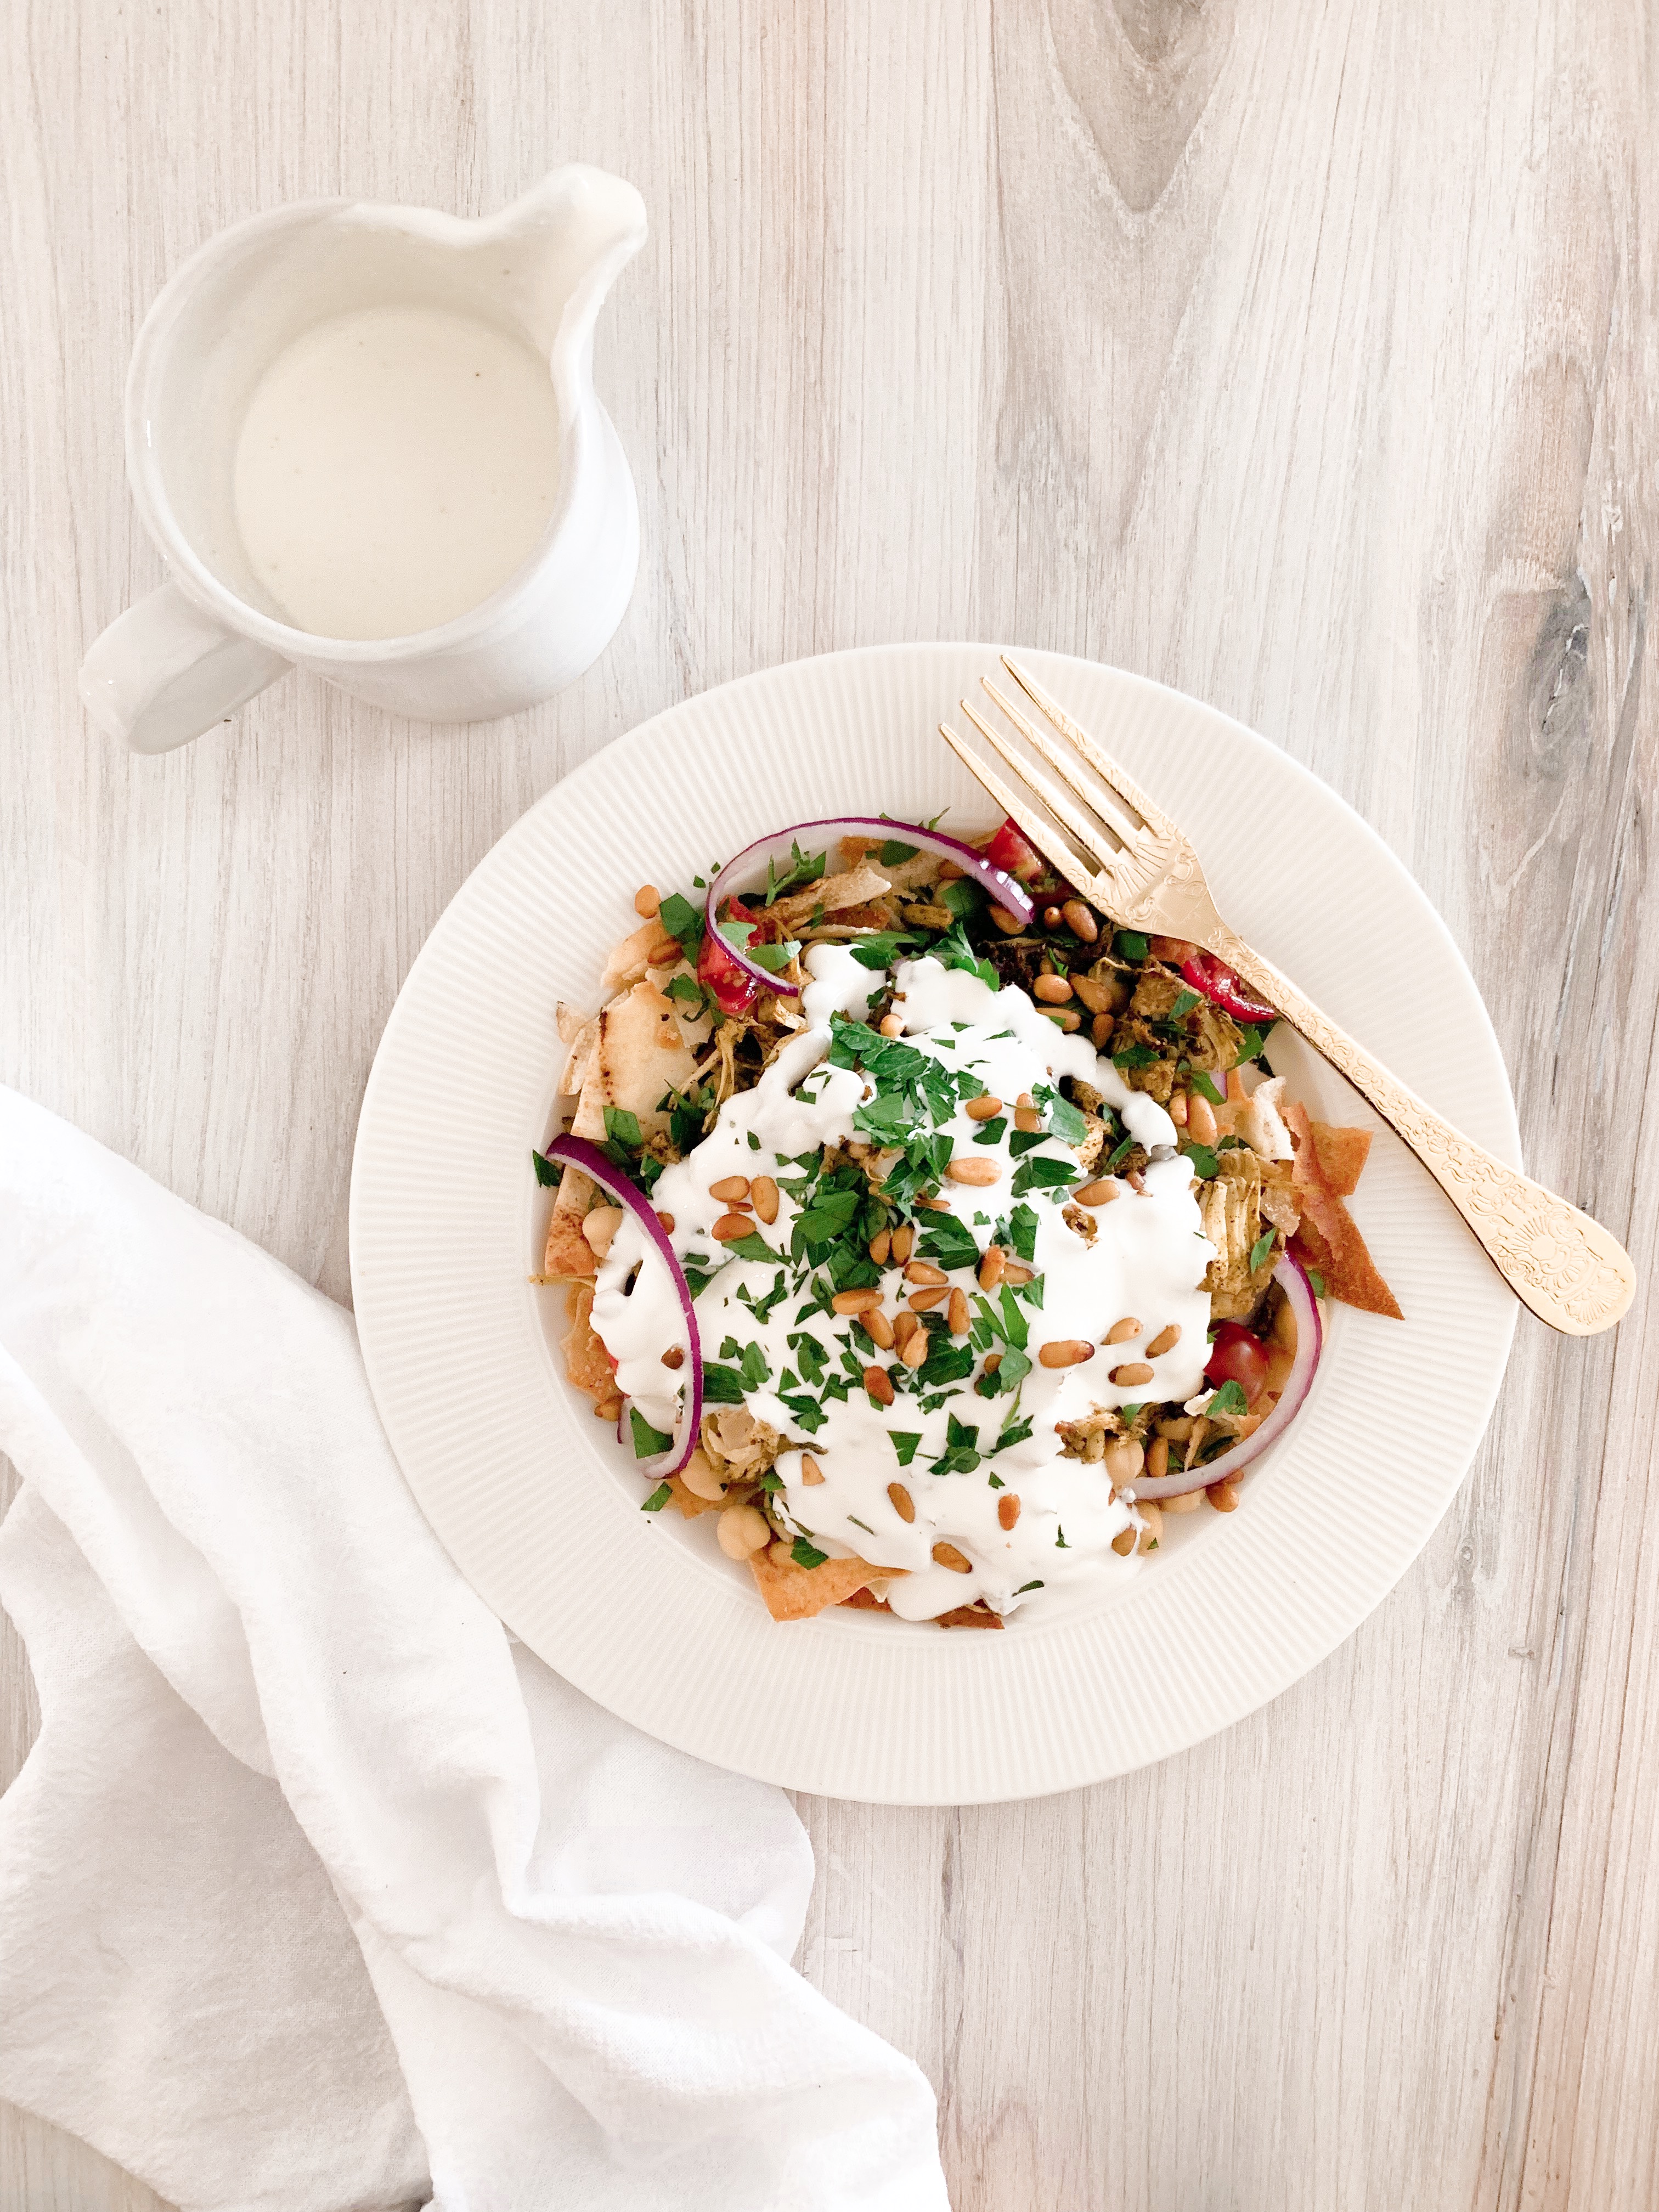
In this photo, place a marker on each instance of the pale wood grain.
(1301, 355)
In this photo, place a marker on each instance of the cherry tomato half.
(1013, 852)
(1236, 1356)
(734, 988)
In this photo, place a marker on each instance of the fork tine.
(1063, 759)
(1047, 840)
(1104, 767)
(1061, 808)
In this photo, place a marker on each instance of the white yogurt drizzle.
(1148, 1260)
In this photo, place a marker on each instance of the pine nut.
(1051, 917)
(855, 1302)
(1178, 1108)
(1122, 1461)
(991, 1268)
(1080, 921)
(728, 1188)
(1121, 1331)
(930, 1204)
(1165, 1341)
(1124, 1542)
(982, 1108)
(1009, 924)
(1095, 995)
(1064, 1019)
(1027, 1119)
(599, 1226)
(946, 1555)
(903, 1237)
(1100, 1031)
(901, 1501)
(1223, 1496)
(1008, 1509)
(892, 1025)
(1101, 1193)
(731, 1226)
(876, 1326)
(810, 1472)
(880, 1245)
(915, 1349)
(1130, 1377)
(923, 1271)
(764, 1192)
(674, 1357)
(665, 952)
(876, 1383)
(1157, 1458)
(993, 1361)
(659, 1001)
(700, 1477)
(1154, 1529)
(931, 1295)
(1016, 1271)
(1066, 1351)
(743, 1529)
(1052, 990)
(648, 901)
(957, 1313)
(905, 1325)
(980, 1172)
(1200, 1120)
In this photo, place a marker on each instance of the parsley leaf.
(1205, 1088)
(1130, 945)
(1261, 1251)
(992, 1131)
(548, 1172)
(1318, 1282)
(658, 1498)
(948, 1242)
(1203, 1161)
(682, 922)
(722, 1386)
(1015, 1433)
(877, 950)
(806, 1555)
(961, 1454)
(1023, 1228)
(1185, 1002)
(1042, 1174)
(1229, 1399)
(904, 1443)
(623, 1128)
(648, 1441)
(945, 1363)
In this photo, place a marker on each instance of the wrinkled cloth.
(317, 1891)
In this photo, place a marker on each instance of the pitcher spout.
(561, 245)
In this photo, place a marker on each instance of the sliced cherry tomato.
(734, 988)
(1224, 989)
(1237, 1356)
(1012, 850)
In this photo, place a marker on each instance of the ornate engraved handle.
(1557, 1261)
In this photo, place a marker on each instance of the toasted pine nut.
(957, 1313)
(1124, 1542)
(1066, 1351)
(1064, 1019)
(982, 1108)
(665, 1222)
(1223, 1496)
(855, 1302)
(648, 901)
(1027, 1118)
(674, 1357)
(930, 1204)
(1154, 1528)
(1165, 1341)
(810, 1472)
(876, 1383)
(914, 1348)
(764, 1192)
(880, 1245)
(1016, 1271)
(743, 1529)
(946, 1555)
(993, 1361)
(1008, 1509)
(991, 1268)
(901, 1501)
(659, 1001)
(974, 1171)
(876, 1326)
(1121, 1331)
(1100, 1193)
(923, 1271)
(1157, 1458)
(905, 1325)
(1051, 917)
(599, 1226)
(1079, 920)
(929, 1296)
(903, 1238)
(1178, 1108)
(729, 1188)
(1122, 1461)
(1009, 924)
(665, 952)
(1100, 1031)
(731, 1226)
(1095, 995)
(700, 1477)
(1052, 990)
(1025, 1099)
(1200, 1120)
(892, 1025)
(1129, 1378)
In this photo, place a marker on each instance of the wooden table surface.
(1300, 355)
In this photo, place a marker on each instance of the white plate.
(533, 1497)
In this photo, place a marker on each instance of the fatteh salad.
(934, 1235)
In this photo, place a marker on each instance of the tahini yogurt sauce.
(1148, 1259)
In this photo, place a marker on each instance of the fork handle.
(1559, 1263)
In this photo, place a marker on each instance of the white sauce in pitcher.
(395, 465)
(1148, 1258)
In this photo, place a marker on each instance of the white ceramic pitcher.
(197, 649)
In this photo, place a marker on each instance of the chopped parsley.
(806, 1555)
(904, 1443)
(1261, 1251)
(648, 1441)
(548, 1172)
(658, 1498)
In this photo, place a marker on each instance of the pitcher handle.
(164, 672)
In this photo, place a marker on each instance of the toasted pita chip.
(571, 1021)
(865, 1600)
(1329, 1239)
(570, 1257)
(1342, 1154)
(688, 1502)
(585, 1361)
(969, 1616)
(630, 1067)
(793, 1593)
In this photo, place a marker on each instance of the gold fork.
(1557, 1261)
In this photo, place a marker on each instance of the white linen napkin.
(315, 1884)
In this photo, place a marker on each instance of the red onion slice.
(1310, 1342)
(997, 884)
(576, 1152)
